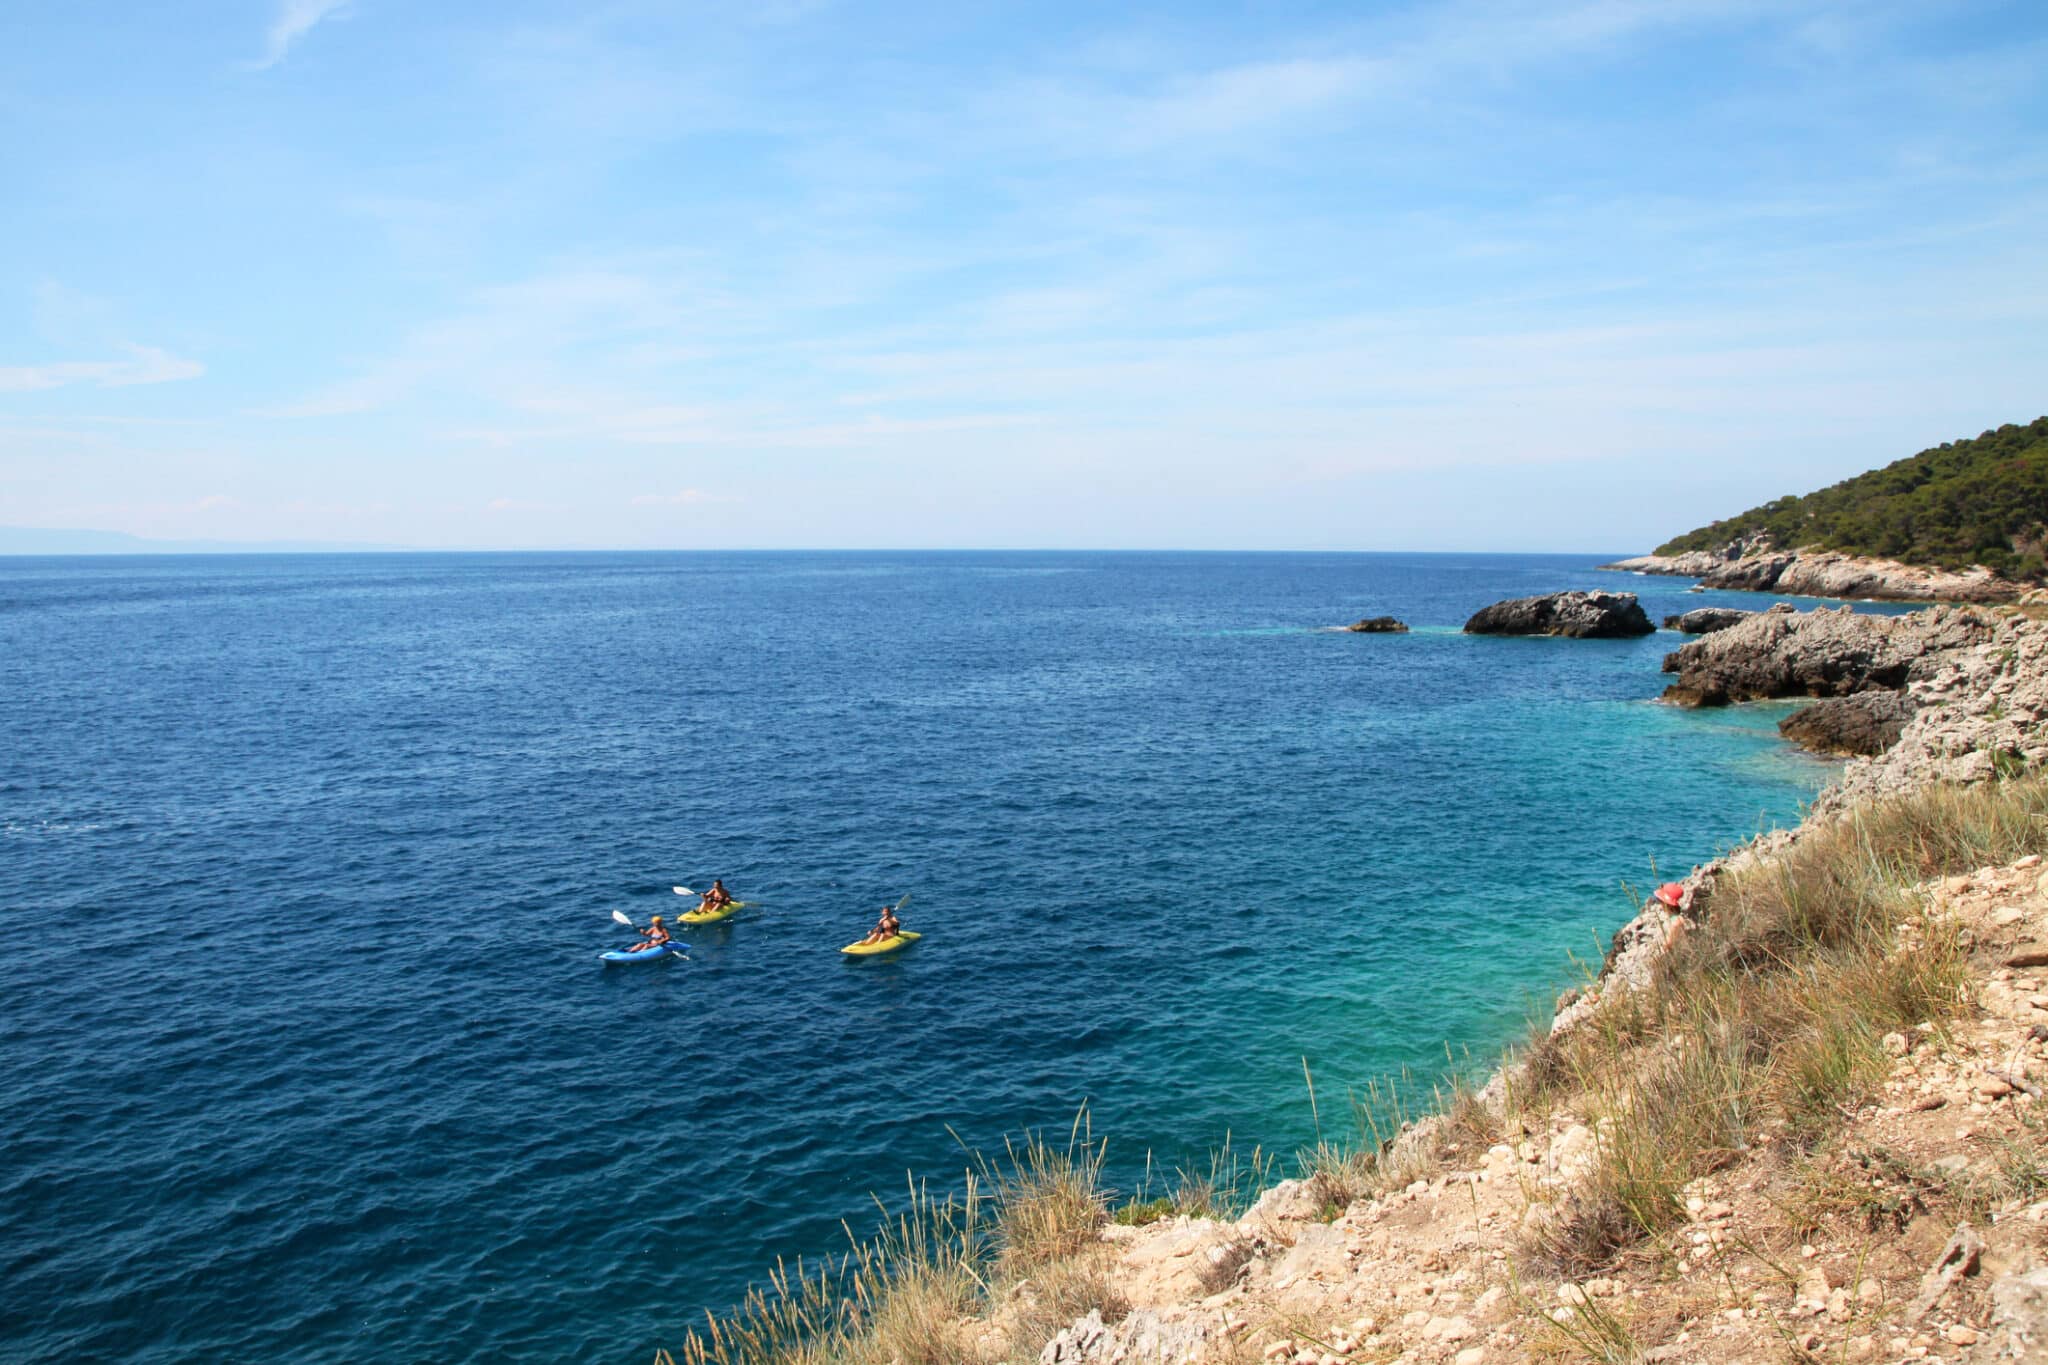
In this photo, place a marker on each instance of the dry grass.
(1763, 1024)
(1050, 1198)
(1061, 1292)
(1021, 1232)
(901, 1296)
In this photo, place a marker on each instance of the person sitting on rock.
(655, 934)
(717, 898)
(887, 927)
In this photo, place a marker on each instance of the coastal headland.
(1826, 573)
(1795, 1114)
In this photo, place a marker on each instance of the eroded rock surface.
(1578, 615)
(1378, 625)
(1822, 653)
(1143, 1338)
(1706, 620)
(1825, 573)
(1865, 724)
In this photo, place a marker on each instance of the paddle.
(671, 945)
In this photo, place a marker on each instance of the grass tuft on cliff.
(1764, 1024)
(1978, 501)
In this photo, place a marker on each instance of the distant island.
(1963, 521)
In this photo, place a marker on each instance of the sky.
(1454, 274)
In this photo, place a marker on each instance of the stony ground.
(1882, 1246)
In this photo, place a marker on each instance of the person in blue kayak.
(655, 934)
(888, 926)
(717, 898)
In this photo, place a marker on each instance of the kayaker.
(888, 926)
(717, 898)
(655, 934)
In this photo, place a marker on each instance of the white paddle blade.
(905, 901)
(682, 891)
(620, 916)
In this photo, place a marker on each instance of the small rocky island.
(1378, 625)
(1575, 615)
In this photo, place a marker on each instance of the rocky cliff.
(1825, 573)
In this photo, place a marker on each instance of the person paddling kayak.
(888, 926)
(654, 933)
(717, 898)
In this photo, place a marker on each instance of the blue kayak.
(670, 949)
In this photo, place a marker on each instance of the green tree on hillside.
(1981, 501)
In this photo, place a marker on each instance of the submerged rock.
(1860, 725)
(1578, 615)
(1378, 625)
(1706, 620)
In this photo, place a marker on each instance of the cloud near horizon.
(145, 365)
(688, 497)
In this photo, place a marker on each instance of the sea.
(306, 1051)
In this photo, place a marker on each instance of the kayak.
(887, 945)
(670, 949)
(723, 912)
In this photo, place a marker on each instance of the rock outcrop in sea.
(1578, 615)
(1860, 725)
(1705, 620)
(1378, 625)
(1825, 573)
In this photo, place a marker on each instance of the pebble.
(1471, 1355)
(1962, 1336)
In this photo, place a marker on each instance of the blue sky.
(1475, 274)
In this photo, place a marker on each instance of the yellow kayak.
(726, 911)
(887, 945)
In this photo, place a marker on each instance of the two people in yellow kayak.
(717, 898)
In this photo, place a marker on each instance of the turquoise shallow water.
(305, 861)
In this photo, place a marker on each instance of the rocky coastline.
(1461, 1240)
(1825, 573)
(1420, 1271)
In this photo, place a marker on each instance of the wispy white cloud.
(688, 497)
(295, 19)
(144, 365)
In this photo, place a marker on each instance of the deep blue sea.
(305, 1050)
